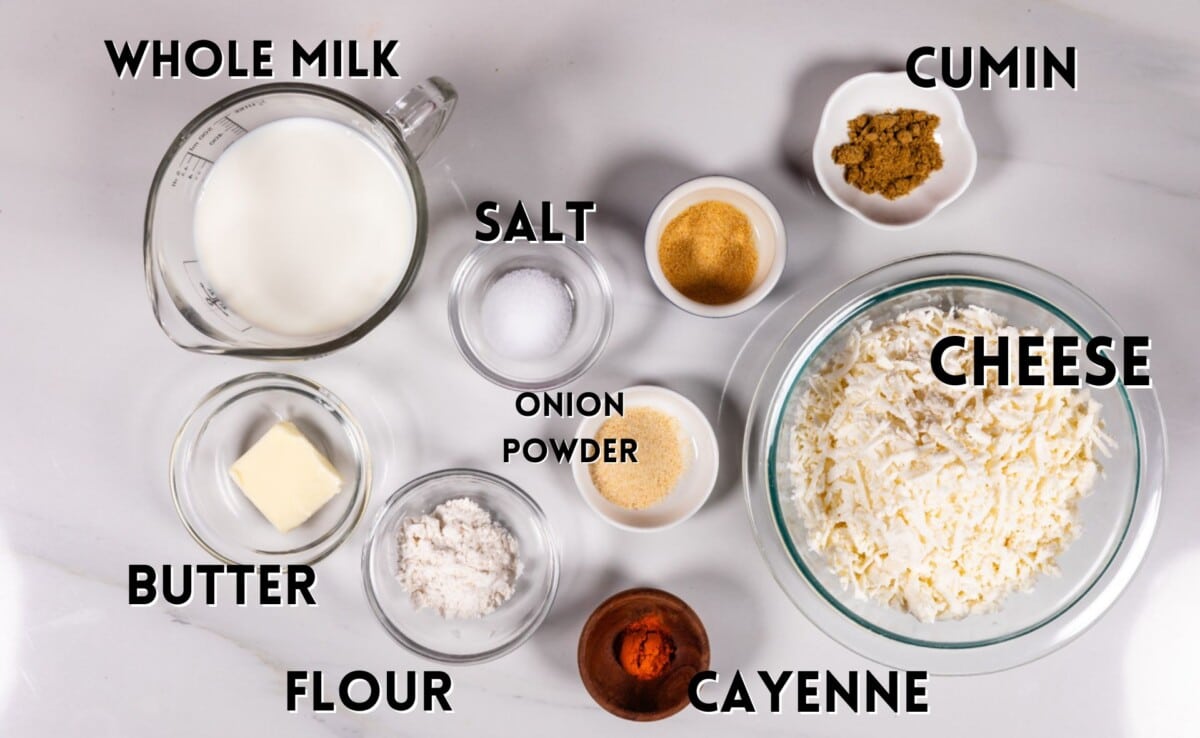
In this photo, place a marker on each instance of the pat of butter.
(285, 476)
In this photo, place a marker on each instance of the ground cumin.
(707, 252)
(646, 648)
(890, 153)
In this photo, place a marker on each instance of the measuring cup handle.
(422, 113)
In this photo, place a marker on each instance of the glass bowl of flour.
(531, 316)
(460, 566)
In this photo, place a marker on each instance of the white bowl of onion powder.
(690, 481)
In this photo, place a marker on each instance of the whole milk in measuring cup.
(287, 220)
(303, 227)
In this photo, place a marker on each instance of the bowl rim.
(870, 641)
(959, 120)
(538, 516)
(654, 227)
(197, 421)
(707, 438)
(466, 350)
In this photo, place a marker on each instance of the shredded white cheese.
(934, 499)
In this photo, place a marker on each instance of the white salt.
(527, 314)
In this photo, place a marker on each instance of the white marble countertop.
(615, 102)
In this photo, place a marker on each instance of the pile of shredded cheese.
(933, 499)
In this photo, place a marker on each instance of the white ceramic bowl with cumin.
(879, 92)
(700, 455)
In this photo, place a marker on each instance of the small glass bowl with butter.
(270, 468)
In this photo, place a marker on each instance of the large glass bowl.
(1117, 518)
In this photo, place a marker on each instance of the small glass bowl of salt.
(531, 316)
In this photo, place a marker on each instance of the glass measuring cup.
(190, 312)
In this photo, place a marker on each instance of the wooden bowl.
(606, 680)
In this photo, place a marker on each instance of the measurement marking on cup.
(210, 139)
(191, 170)
(192, 167)
(210, 297)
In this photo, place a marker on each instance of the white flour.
(457, 560)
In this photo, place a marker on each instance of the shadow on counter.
(558, 637)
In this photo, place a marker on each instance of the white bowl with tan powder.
(767, 234)
(677, 461)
